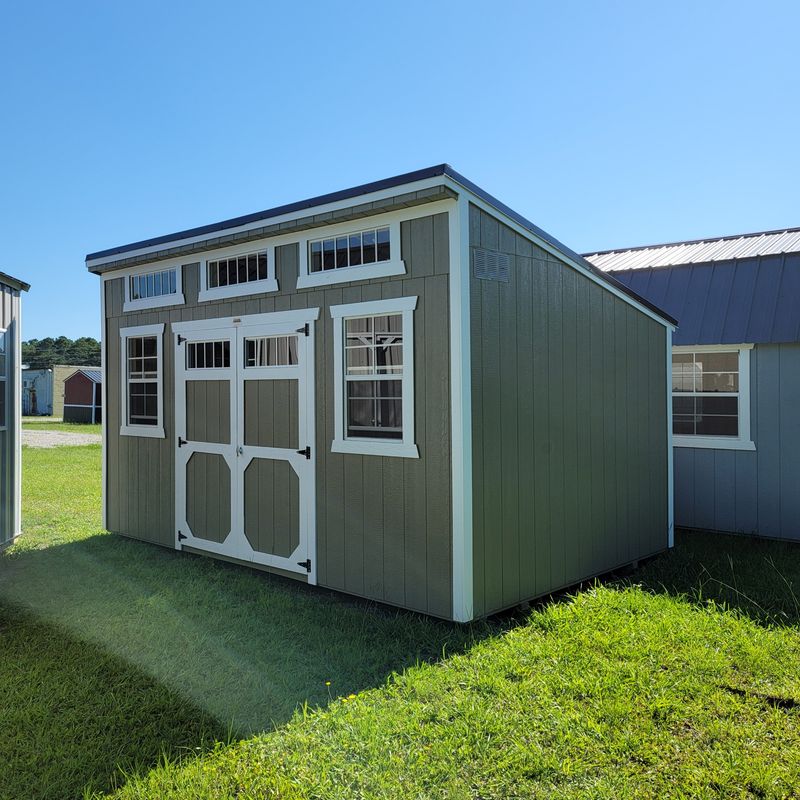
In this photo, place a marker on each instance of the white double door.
(244, 427)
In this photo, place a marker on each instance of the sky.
(608, 124)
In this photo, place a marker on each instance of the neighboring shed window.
(350, 254)
(153, 289)
(373, 368)
(238, 274)
(142, 385)
(710, 396)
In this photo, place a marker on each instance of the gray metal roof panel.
(722, 248)
(94, 375)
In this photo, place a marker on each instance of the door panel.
(208, 497)
(208, 411)
(271, 413)
(272, 507)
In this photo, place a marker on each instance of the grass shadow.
(759, 578)
(73, 717)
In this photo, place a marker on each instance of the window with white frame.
(142, 410)
(238, 273)
(374, 377)
(153, 289)
(350, 253)
(711, 396)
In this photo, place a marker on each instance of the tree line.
(43, 353)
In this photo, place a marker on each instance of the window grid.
(153, 284)
(373, 376)
(270, 351)
(246, 268)
(350, 250)
(142, 357)
(705, 388)
(208, 355)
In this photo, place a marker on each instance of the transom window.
(374, 377)
(153, 284)
(270, 351)
(208, 355)
(153, 288)
(710, 402)
(374, 369)
(350, 250)
(235, 270)
(142, 410)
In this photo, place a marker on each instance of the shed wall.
(569, 426)
(743, 491)
(383, 524)
(9, 438)
(41, 387)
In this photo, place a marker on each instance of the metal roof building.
(736, 374)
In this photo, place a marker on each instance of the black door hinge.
(306, 564)
(181, 339)
(306, 452)
(181, 442)
(181, 536)
(305, 330)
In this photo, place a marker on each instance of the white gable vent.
(490, 265)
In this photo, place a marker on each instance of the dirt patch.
(58, 438)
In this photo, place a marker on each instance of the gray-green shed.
(10, 407)
(404, 391)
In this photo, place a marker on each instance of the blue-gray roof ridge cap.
(376, 186)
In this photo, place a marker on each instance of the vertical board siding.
(9, 464)
(741, 491)
(569, 426)
(383, 524)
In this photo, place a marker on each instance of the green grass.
(127, 662)
(68, 427)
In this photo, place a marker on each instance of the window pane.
(355, 249)
(368, 238)
(341, 251)
(359, 359)
(712, 425)
(157, 284)
(682, 405)
(242, 268)
(383, 244)
(173, 281)
(150, 286)
(718, 362)
(683, 425)
(359, 325)
(149, 346)
(389, 359)
(212, 275)
(316, 257)
(262, 266)
(718, 382)
(328, 254)
(232, 272)
(222, 273)
(717, 405)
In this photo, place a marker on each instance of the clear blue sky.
(608, 124)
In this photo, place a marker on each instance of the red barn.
(83, 395)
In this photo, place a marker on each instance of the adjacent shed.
(10, 407)
(735, 374)
(404, 391)
(83, 395)
(37, 392)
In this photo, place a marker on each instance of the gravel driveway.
(58, 438)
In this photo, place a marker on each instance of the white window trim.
(162, 301)
(406, 447)
(149, 431)
(743, 440)
(363, 272)
(263, 286)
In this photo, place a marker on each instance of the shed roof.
(14, 283)
(105, 260)
(694, 251)
(94, 375)
(732, 290)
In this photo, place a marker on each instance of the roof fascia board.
(553, 246)
(348, 202)
(14, 283)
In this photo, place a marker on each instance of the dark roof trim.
(323, 199)
(14, 283)
(377, 186)
(703, 240)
